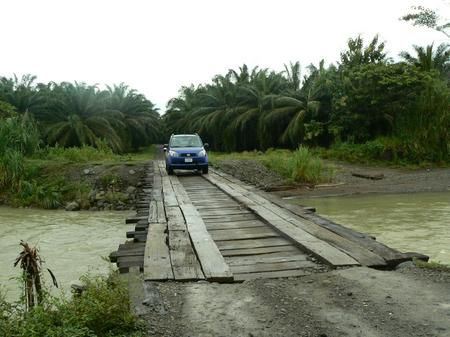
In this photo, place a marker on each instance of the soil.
(355, 302)
(394, 180)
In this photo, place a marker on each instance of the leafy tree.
(357, 54)
(426, 17)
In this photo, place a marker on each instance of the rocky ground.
(359, 302)
(394, 180)
(112, 187)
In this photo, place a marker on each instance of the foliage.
(422, 16)
(432, 265)
(77, 114)
(18, 137)
(364, 98)
(101, 310)
(300, 166)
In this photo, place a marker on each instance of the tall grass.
(18, 137)
(299, 166)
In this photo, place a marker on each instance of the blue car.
(186, 152)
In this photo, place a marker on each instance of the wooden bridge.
(213, 227)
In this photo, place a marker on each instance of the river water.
(71, 243)
(418, 222)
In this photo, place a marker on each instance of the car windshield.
(186, 141)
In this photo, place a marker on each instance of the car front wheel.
(169, 170)
(205, 170)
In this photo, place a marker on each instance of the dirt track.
(350, 302)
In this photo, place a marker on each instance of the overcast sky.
(158, 46)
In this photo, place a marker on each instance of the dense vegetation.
(400, 109)
(102, 310)
(76, 114)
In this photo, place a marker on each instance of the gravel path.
(359, 302)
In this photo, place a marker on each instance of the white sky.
(158, 46)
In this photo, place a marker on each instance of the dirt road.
(349, 302)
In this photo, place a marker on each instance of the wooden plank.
(243, 233)
(131, 219)
(239, 244)
(185, 265)
(232, 217)
(266, 258)
(256, 251)
(230, 205)
(175, 219)
(389, 255)
(320, 249)
(222, 212)
(234, 224)
(262, 267)
(273, 274)
(161, 212)
(153, 212)
(157, 266)
(213, 264)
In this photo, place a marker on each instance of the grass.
(102, 310)
(44, 183)
(382, 151)
(432, 265)
(300, 166)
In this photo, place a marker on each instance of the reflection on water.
(418, 222)
(72, 243)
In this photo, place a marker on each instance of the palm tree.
(80, 117)
(428, 58)
(21, 93)
(140, 116)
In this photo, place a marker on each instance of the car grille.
(188, 154)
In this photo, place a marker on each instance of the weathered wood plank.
(266, 258)
(185, 265)
(157, 266)
(320, 249)
(243, 233)
(391, 256)
(262, 267)
(223, 212)
(234, 224)
(273, 274)
(256, 251)
(175, 219)
(213, 264)
(239, 244)
(231, 217)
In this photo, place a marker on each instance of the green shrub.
(77, 154)
(102, 310)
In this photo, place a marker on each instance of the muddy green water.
(418, 222)
(72, 243)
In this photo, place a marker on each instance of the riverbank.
(78, 179)
(345, 182)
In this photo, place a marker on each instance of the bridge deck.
(214, 227)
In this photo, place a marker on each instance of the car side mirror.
(165, 146)
(206, 145)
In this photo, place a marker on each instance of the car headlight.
(202, 153)
(173, 153)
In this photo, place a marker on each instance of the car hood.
(186, 149)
